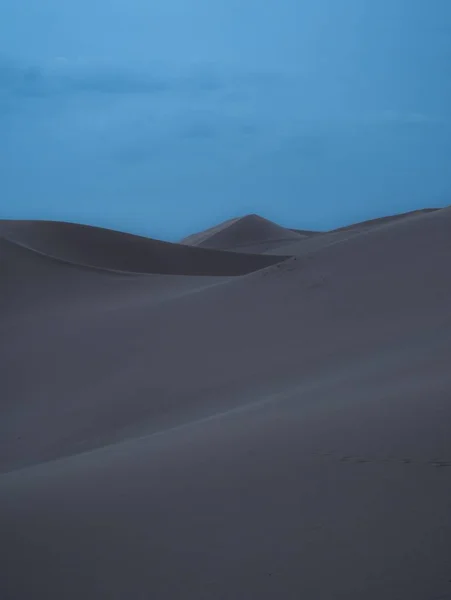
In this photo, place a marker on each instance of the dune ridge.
(255, 234)
(110, 250)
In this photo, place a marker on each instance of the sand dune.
(33, 283)
(254, 234)
(115, 251)
(261, 431)
(322, 239)
(251, 233)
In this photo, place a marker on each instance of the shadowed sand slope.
(106, 249)
(251, 233)
(33, 283)
(307, 232)
(280, 434)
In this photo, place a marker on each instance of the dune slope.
(115, 251)
(283, 433)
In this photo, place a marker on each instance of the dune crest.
(96, 247)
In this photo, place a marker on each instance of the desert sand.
(256, 412)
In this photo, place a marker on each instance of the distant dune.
(251, 233)
(254, 234)
(256, 412)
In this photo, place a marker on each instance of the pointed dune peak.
(197, 239)
(241, 232)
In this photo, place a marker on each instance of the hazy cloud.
(131, 113)
(62, 76)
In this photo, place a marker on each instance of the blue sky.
(166, 117)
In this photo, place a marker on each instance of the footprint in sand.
(440, 463)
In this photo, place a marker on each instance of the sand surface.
(195, 421)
